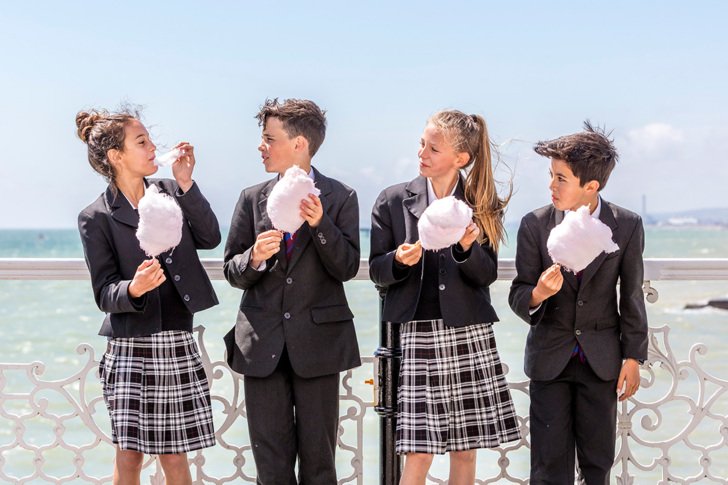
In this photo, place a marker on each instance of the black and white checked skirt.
(157, 394)
(452, 395)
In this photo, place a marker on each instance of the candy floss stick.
(168, 158)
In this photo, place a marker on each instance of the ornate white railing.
(56, 403)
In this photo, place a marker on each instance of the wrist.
(184, 186)
(132, 291)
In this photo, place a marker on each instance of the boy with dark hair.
(294, 331)
(588, 332)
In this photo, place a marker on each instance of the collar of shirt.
(596, 212)
(431, 197)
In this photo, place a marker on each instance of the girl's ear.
(114, 156)
(463, 158)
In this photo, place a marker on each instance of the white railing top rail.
(656, 269)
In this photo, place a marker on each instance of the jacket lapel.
(120, 208)
(557, 217)
(267, 224)
(415, 204)
(607, 217)
(303, 236)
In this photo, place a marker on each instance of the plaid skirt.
(452, 394)
(156, 391)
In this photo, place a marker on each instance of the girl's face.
(137, 157)
(438, 158)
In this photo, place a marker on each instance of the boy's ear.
(592, 186)
(301, 144)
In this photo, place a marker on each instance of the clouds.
(655, 139)
(676, 167)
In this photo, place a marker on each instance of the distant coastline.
(712, 217)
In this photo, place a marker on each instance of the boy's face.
(566, 191)
(279, 151)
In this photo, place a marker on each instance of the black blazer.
(464, 293)
(108, 233)
(608, 328)
(299, 304)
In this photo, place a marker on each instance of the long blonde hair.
(469, 134)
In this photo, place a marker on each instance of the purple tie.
(290, 240)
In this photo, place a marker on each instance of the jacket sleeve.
(632, 313)
(239, 247)
(479, 265)
(528, 271)
(111, 291)
(336, 240)
(200, 218)
(383, 246)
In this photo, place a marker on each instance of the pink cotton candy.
(160, 222)
(579, 239)
(443, 223)
(284, 201)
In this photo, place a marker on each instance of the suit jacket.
(299, 304)
(463, 283)
(607, 327)
(108, 233)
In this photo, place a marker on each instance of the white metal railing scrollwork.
(56, 403)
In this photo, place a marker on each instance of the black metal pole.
(389, 355)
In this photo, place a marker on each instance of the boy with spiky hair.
(294, 332)
(588, 332)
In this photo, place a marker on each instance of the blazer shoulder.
(620, 213)
(253, 192)
(394, 192)
(98, 206)
(538, 216)
(334, 185)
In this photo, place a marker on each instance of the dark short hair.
(590, 154)
(300, 117)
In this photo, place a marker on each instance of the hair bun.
(85, 121)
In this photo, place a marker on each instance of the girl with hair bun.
(154, 384)
(452, 396)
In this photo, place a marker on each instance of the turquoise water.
(47, 320)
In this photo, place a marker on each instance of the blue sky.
(655, 72)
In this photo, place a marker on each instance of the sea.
(46, 321)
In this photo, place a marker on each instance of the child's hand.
(471, 234)
(549, 283)
(266, 245)
(183, 167)
(629, 379)
(408, 254)
(312, 210)
(149, 275)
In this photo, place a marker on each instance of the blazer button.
(289, 280)
(187, 297)
(320, 235)
(578, 332)
(441, 287)
(177, 277)
(580, 302)
(287, 316)
(168, 260)
(323, 240)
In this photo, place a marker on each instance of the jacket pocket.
(329, 314)
(605, 323)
